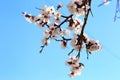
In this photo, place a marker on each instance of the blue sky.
(20, 45)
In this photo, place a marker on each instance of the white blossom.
(76, 46)
(47, 33)
(73, 61)
(72, 57)
(57, 16)
(64, 33)
(80, 12)
(75, 24)
(86, 36)
(52, 31)
(29, 17)
(93, 46)
(74, 9)
(77, 31)
(87, 6)
(75, 65)
(39, 20)
(72, 74)
(72, 6)
(47, 10)
(74, 41)
(46, 13)
(45, 41)
(77, 69)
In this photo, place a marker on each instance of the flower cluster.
(75, 24)
(78, 7)
(44, 17)
(93, 46)
(29, 17)
(75, 65)
(52, 20)
(75, 45)
(52, 31)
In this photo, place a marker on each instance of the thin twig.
(47, 25)
(67, 39)
(64, 21)
(42, 47)
(70, 52)
(78, 55)
(87, 55)
(38, 8)
(91, 12)
(58, 40)
(64, 16)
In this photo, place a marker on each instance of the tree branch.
(71, 52)
(81, 36)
